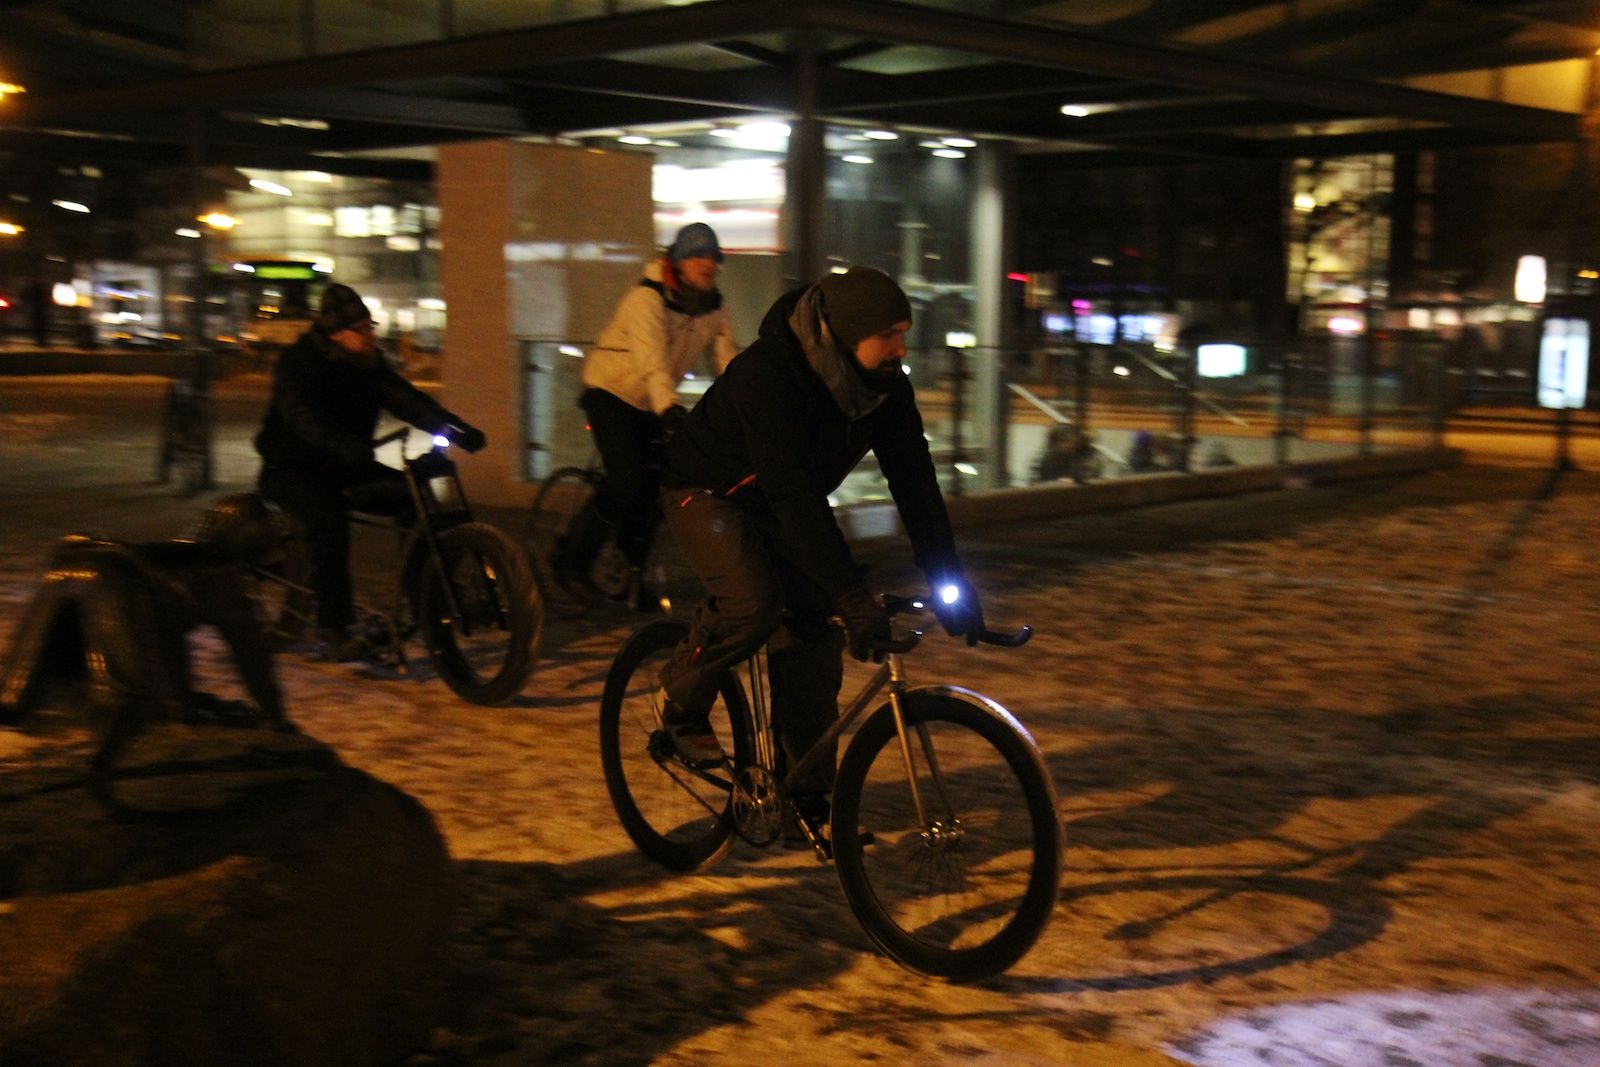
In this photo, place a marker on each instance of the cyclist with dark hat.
(747, 484)
(328, 389)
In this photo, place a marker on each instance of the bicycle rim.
(966, 893)
(680, 819)
(562, 510)
(486, 652)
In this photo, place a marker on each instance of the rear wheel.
(679, 817)
(582, 562)
(485, 644)
(966, 891)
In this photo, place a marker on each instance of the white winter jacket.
(649, 345)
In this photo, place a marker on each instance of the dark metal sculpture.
(113, 616)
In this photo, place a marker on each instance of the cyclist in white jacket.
(660, 328)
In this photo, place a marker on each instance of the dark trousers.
(754, 597)
(320, 504)
(630, 447)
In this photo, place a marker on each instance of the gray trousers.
(753, 597)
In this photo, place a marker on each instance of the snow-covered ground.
(1328, 761)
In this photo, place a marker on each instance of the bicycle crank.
(757, 807)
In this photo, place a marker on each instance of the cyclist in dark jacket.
(747, 483)
(328, 389)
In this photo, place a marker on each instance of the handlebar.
(896, 604)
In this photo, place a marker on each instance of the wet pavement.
(1328, 761)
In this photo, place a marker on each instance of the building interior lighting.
(186, 231)
(949, 153)
(1076, 111)
(71, 205)
(881, 135)
(960, 142)
(856, 159)
(634, 138)
(274, 188)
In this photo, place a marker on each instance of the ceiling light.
(186, 231)
(9, 229)
(1076, 111)
(856, 159)
(961, 142)
(949, 153)
(71, 205)
(882, 135)
(723, 131)
(634, 138)
(270, 187)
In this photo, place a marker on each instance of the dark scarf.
(852, 388)
(684, 299)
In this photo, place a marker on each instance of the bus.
(274, 300)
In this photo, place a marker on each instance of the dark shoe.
(693, 740)
(342, 646)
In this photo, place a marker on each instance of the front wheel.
(963, 892)
(680, 817)
(583, 563)
(483, 645)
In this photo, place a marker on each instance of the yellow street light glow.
(219, 220)
(10, 89)
(9, 229)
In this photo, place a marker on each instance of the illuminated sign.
(294, 271)
(1564, 363)
(1219, 361)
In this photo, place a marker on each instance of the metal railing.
(1089, 412)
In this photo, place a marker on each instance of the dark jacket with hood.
(325, 405)
(789, 418)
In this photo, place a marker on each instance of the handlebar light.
(441, 441)
(949, 594)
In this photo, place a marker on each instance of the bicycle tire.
(564, 502)
(279, 587)
(485, 655)
(968, 898)
(672, 815)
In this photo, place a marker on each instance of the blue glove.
(957, 607)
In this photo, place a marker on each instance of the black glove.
(867, 624)
(956, 604)
(672, 421)
(468, 437)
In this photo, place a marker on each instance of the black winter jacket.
(770, 416)
(324, 410)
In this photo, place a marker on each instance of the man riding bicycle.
(316, 447)
(746, 495)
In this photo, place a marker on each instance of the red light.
(4, 303)
(1016, 276)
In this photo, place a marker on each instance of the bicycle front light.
(441, 441)
(949, 594)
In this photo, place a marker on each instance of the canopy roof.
(339, 85)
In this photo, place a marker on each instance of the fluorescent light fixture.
(244, 268)
(1076, 111)
(856, 159)
(1219, 360)
(949, 153)
(71, 205)
(882, 135)
(270, 187)
(634, 138)
(186, 231)
(961, 142)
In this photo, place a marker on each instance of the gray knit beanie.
(695, 241)
(861, 302)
